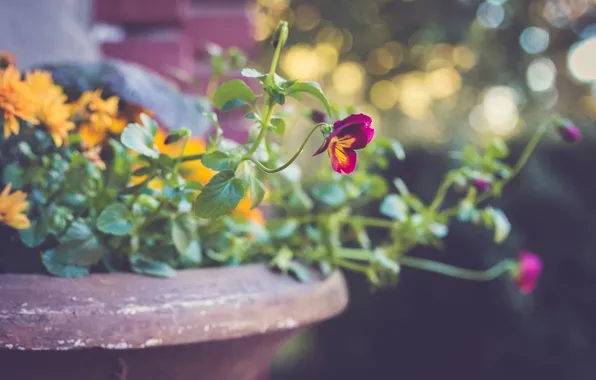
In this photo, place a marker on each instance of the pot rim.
(129, 311)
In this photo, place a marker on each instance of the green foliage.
(221, 195)
(115, 220)
(234, 89)
(140, 140)
(148, 213)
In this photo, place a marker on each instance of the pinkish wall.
(161, 34)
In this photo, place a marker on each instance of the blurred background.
(435, 74)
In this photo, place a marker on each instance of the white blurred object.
(47, 31)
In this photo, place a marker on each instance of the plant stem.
(441, 193)
(521, 162)
(282, 31)
(181, 156)
(453, 271)
(290, 161)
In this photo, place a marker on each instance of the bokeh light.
(307, 17)
(541, 74)
(581, 60)
(500, 109)
(534, 40)
(348, 78)
(443, 82)
(383, 94)
(490, 15)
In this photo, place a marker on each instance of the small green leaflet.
(313, 89)
(113, 220)
(138, 139)
(234, 89)
(220, 196)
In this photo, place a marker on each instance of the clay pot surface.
(213, 324)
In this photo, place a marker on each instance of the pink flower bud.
(569, 132)
(527, 271)
(481, 185)
(318, 116)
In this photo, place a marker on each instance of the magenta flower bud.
(318, 116)
(481, 185)
(527, 271)
(569, 132)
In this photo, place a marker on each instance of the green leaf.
(233, 104)
(192, 256)
(54, 266)
(283, 229)
(217, 160)
(377, 187)
(79, 246)
(142, 171)
(120, 165)
(36, 234)
(470, 155)
(220, 196)
(114, 220)
(502, 225)
(465, 211)
(282, 260)
(498, 149)
(176, 135)
(330, 193)
(299, 271)
(394, 207)
(145, 265)
(138, 139)
(13, 174)
(438, 229)
(398, 150)
(149, 123)
(313, 89)
(385, 262)
(401, 187)
(252, 73)
(257, 191)
(279, 126)
(234, 89)
(184, 231)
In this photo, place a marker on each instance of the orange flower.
(50, 105)
(192, 170)
(15, 101)
(93, 155)
(98, 116)
(12, 207)
(243, 211)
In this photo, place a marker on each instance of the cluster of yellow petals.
(15, 101)
(98, 117)
(50, 105)
(12, 207)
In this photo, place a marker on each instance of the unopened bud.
(318, 116)
(481, 185)
(569, 132)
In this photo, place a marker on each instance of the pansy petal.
(323, 147)
(356, 136)
(358, 118)
(343, 160)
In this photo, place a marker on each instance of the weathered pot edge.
(127, 311)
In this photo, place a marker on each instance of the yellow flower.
(50, 105)
(15, 101)
(243, 211)
(98, 116)
(12, 207)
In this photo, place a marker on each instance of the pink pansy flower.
(527, 271)
(353, 132)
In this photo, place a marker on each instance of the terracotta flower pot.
(212, 324)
